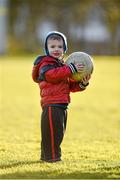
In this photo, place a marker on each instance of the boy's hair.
(56, 36)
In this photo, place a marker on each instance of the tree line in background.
(29, 20)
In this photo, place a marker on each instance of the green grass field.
(91, 146)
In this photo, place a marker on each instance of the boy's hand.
(76, 67)
(85, 81)
(79, 67)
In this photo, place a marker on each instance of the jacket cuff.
(83, 86)
(72, 68)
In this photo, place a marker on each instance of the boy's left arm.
(79, 86)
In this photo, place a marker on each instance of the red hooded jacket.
(53, 77)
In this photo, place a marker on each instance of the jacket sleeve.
(53, 74)
(35, 69)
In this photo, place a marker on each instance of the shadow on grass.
(56, 174)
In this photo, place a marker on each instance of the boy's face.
(55, 48)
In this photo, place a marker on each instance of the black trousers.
(53, 125)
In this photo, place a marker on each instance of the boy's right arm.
(50, 73)
(53, 74)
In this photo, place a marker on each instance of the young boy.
(53, 78)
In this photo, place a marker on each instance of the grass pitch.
(91, 146)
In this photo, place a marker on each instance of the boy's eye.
(60, 46)
(52, 46)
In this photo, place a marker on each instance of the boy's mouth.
(56, 54)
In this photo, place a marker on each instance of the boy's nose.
(56, 49)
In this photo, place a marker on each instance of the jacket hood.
(59, 34)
